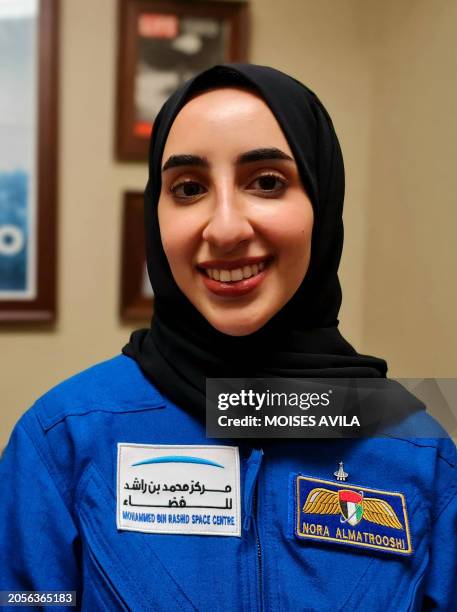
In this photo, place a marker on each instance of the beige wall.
(410, 279)
(386, 73)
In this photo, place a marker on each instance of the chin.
(237, 327)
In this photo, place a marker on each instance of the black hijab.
(181, 348)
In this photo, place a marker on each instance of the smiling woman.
(244, 233)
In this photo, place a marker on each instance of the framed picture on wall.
(136, 301)
(162, 44)
(28, 160)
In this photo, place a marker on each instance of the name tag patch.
(182, 489)
(358, 516)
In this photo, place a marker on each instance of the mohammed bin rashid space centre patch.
(352, 515)
(182, 489)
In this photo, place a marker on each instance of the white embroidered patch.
(185, 489)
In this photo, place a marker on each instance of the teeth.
(237, 274)
(247, 271)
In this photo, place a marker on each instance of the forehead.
(227, 118)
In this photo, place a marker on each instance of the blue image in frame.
(18, 149)
(14, 231)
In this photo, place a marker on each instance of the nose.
(228, 225)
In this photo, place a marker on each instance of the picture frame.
(162, 43)
(28, 161)
(136, 296)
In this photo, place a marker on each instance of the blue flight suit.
(58, 505)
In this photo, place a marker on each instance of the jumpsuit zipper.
(252, 516)
(259, 552)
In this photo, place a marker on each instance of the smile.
(235, 278)
(237, 274)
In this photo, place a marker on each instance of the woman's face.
(235, 221)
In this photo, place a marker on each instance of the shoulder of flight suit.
(422, 430)
(114, 385)
(60, 426)
(430, 436)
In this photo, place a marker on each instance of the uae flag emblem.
(351, 505)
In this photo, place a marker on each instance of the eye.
(186, 190)
(269, 184)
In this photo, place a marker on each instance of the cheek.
(176, 235)
(293, 248)
(292, 236)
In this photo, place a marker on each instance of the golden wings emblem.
(352, 505)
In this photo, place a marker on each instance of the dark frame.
(43, 307)
(134, 305)
(131, 147)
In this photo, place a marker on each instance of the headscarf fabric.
(181, 349)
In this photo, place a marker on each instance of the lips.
(235, 277)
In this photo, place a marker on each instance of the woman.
(110, 486)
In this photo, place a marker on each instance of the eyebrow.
(254, 155)
(261, 154)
